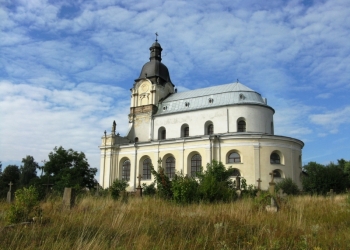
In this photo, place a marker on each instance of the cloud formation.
(66, 67)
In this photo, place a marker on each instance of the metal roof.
(221, 95)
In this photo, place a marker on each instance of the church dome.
(155, 70)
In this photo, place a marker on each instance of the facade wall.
(255, 152)
(258, 120)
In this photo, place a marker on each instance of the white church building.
(230, 123)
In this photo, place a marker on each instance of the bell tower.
(152, 86)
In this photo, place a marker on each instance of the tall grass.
(100, 223)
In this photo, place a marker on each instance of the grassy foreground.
(100, 223)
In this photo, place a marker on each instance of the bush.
(149, 190)
(288, 186)
(26, 203)
(163, 182)
(185, 189)
(117, 187)
(215, 183)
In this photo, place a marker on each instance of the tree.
(28, 170)
(69, 168)
(10, 174)
(215, 184)
(0, 168)
(320, 179)
(288, 186)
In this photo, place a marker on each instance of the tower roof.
(155, 70)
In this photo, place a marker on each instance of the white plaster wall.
(258, 119)
(255, 154)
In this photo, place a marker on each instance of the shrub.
(149, 190)
(184, 189)
(215, 183)
(249, 191)
(288, 186)
(26, 203)
(163, 182)
(117, 187)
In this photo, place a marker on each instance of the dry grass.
(101, 223)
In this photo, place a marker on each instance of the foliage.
(244, 183)
(10, 174)
(288, 186)
(320, 179)
(69, 168)
(249, 191)
(149, 190)
(28, 171)
(163, 182)
(117, 187)
(215, 183)
(184, 189)
(26, 202)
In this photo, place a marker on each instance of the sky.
(66, 67)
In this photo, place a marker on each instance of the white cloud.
(324, 95)
(35, 119)
(332, 119)
(61, 62)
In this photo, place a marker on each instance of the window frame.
(196, 164)
(126, 170)
(146, 169)
(274, 160)
(241, 126)
(170, 167)
(234, 158)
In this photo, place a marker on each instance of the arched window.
(196, 164)
(146, 173)
(170, 167)
(234, 157)
(236, 172)
(210, 129)
(241, 126)
(186, 132)
(136, 139)
(126, 171)
(275, 159)
(161, 133)
(277, 173)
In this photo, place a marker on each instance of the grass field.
(303, 222)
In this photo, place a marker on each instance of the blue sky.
(66, 67)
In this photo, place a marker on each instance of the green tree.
(28, 171)
(320, 179)
(215, 183)
(69, 168)
(163, 182)
(10, 174)
(184, 189)
(288, 186)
